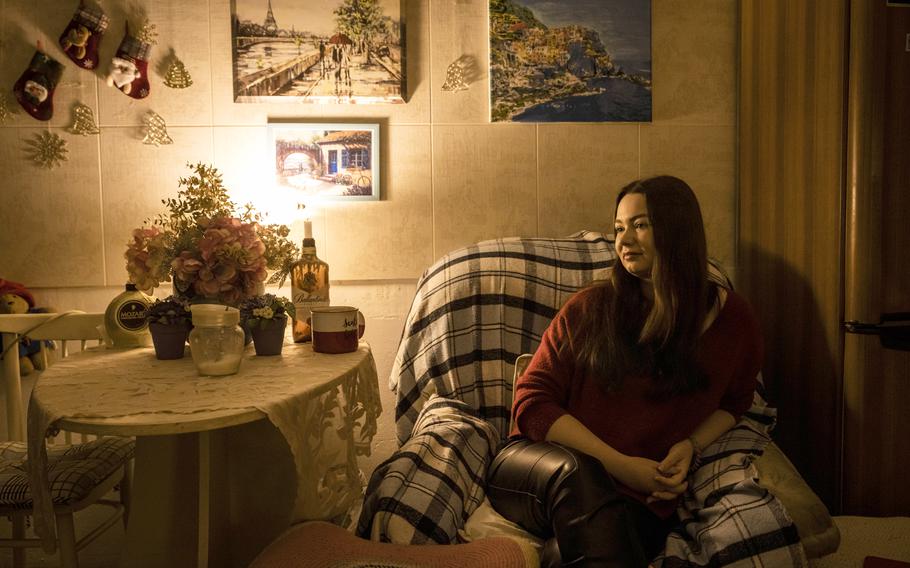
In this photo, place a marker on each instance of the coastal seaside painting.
(318, 51)
(332, 162)
(570, 60)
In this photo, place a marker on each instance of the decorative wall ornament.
(81, 37)
(35, 87)
(148, 33)
(318, 51)
(129, 66)
(83, 121)
(155, 130)
(570, 61)
(177, 77)
(47, 150)
(7, 108)
(455, 77)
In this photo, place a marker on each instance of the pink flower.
(144, 257)
(186, 266)
(228, 262)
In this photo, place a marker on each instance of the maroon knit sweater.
(729, 353)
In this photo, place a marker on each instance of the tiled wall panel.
(449, 177)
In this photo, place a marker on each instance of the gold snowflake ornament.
(148, 33)
(47, 150)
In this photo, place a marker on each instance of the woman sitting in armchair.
(633, 377)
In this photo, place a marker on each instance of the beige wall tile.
(703, 156)
(22, 24)
(136, 177)
(51, 218)
(459, 30)
(227, 112)
(241, 154)
(694, 61)
(387, 238)
(582, 168)
(182, 27)
(484, 185)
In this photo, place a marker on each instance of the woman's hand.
(672, 471)
(639, 474)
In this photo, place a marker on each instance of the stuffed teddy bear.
(16, 299)
(76, 40)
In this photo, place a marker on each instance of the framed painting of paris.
(318, 51)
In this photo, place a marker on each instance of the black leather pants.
(552, 490)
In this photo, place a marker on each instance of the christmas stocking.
(129, 67)
(35, 88)
(81, 37)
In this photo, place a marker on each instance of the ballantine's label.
(131, 315)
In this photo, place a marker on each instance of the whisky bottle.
(309, 288)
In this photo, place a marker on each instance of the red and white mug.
(336, 329)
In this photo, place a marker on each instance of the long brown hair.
(629, 335)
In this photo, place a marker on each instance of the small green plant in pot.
(265, 317)
(169, 322)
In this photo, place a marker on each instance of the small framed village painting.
(570, 60)
(329, 161)
(318, 51)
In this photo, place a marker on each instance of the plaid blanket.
(475, 311)
(427, 490)
(727, 517)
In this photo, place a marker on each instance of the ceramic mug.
(336, 329)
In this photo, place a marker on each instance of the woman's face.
(634, 235)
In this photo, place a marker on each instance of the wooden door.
(791, 168)
(876, 441)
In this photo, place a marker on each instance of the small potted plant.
(169, 322)
(266, 316)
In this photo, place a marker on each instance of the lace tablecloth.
(325, 406)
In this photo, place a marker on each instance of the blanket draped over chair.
(475, 311)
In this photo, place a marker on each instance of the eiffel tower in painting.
(271, 27)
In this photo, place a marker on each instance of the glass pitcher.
(216, 341)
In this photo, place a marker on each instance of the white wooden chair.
(79, 475)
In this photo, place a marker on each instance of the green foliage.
(261, 310)
(361, 19)
(171, 311)
(202, 197)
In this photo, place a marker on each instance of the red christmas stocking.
(81, 37)
(129, 67)
(35, 88)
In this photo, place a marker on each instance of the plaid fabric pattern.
(73, 471)
(427, 490)
(92, 17)
(474, 312)
(134, 48)
(727, 517)
(477, 309)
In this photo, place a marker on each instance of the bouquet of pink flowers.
(211, 249)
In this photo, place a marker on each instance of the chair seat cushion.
(324, 545)
(73, 471)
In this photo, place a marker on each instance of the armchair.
(475, 311)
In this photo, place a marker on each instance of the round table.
(214, 483)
